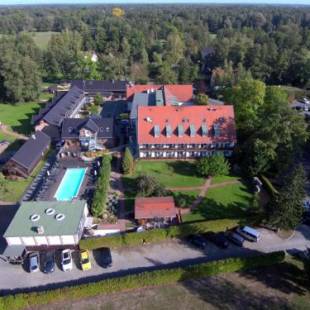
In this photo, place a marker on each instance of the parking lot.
(149, 256)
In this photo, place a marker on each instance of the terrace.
(46, 185)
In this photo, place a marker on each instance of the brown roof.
(151, 207)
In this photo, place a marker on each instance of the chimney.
(40, 230)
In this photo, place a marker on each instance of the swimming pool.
(70, 184)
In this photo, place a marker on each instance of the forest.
(165, 44)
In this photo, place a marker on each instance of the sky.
(37, 2)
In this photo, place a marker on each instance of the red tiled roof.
(148, 208)
(149, 117)
(183, 93)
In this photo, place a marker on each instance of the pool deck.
(56, 178)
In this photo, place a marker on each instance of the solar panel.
(204, 129)
(192, 130)
(156, 131)
(180, 130)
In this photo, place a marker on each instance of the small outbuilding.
(155, 209)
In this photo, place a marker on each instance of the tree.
(212, 166)
(148, 186)
(201, 99)
(128, 164)
(287, 207)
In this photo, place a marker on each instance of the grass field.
(282, 286)
(18, 116)
(6, 137)
(12, 190)
(42, 38)
(224, 178)
(230, 201)
(170, 173)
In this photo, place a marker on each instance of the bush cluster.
(152, 278)
(157, 235)
(103, 183)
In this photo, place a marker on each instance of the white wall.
(14, 241)
(28, 241)
(67, 239)
(54, 240)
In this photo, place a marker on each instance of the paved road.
(146, 257)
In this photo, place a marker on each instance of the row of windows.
(186, 146)
(182, 154)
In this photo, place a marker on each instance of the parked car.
(107, 257)
(33, 262)
(66, 260)
(48, 262)
(235, 238)
(248, 233)
(197, 240)
(218, 239)
(85, 260)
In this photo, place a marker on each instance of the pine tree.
(128, 162)
(287, 206)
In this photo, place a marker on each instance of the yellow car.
(85, 260)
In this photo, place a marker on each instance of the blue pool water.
(70, 184)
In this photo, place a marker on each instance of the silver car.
(34, 262)
(66, 260)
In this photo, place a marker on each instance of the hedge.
(157, 235)
(152, 278)
(101, 194)
(268, 185)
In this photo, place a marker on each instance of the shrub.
(212, 166)
(128, 164)
(141, 280)
(157, 235)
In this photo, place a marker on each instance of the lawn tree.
(212, 166)
(128, 163)
(148, 186)
(286, 208)
(201, 99)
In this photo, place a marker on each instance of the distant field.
(42, 38)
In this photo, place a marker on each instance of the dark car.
(218, 239)
(106, 257)
(197, 240)
(48, 262)
(235, 238)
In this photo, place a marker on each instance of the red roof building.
(171, 92)
(155, 208)
(185, 131)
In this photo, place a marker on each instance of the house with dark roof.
(185, 131)
(38, 224)
(88, 133)
(68, 105)
(155, 209)
(107, 88)
(23, 162)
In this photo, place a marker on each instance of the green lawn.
(184, 199)
(12, 190)
(170, 173)
(231, 202)
(18, 116)
(6, 137)
(224, 178)
(42, 38)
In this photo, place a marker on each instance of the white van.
(249, 233)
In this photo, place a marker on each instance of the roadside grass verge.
(142, 280)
